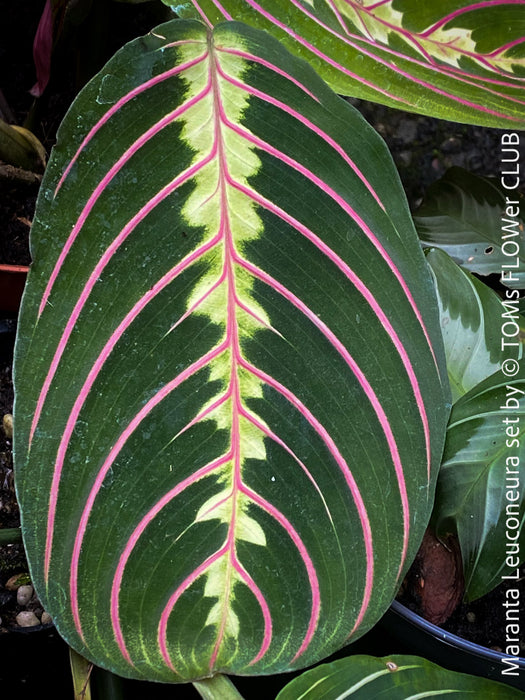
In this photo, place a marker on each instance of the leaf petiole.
(217, 687)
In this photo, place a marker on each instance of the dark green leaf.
(228, 366)
(478, 223)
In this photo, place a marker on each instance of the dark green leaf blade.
(229, 365)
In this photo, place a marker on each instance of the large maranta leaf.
(392, 677)
(452, 59)
(480, 496)
(229, 395)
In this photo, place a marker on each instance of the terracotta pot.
(424, 639)
(12, 282)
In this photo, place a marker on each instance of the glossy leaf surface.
(456, 60)
(474, 321)
(392, 677)
(228, 407)
(479, 224)
(480, 495)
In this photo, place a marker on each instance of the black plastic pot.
(31, 661)
(446, 649)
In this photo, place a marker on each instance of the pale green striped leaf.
(392, 677)
(479, 329)
(457, 60)
(480, 495)
(478, 223)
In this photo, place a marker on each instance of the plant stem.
(217, 688)
(10, 535)
(80, 673)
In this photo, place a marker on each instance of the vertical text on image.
(511, 243)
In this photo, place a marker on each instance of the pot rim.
(14, 268)
(452, 639)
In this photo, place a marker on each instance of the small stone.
(404, 157)
(7, 423)
(26, 618)
(14, 583)
(451, 145)
(46, 618)
(24, 595)
(471, 617)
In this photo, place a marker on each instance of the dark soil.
(12, 557)
(434, 588)
(422, 149)
(17, 204)
(481, 621)
(9, 516)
